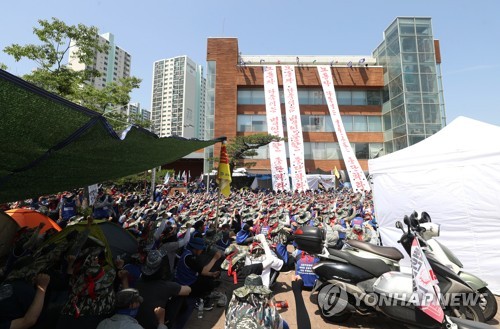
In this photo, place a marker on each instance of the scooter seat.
(388, 252)
(375, 267)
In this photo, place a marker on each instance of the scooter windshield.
(450, 254)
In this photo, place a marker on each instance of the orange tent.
(32, 218)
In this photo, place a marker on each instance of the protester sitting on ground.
(156, 291)
(67, 208)
(127, 305)
(21, 302)
(103, 205)
(252, 306)
(199, 229)
(235, 270)
(303, 267)
(269, 261)
(359, 231)
(193, 271)
(225, 237)
(245, 236)
(170, 243)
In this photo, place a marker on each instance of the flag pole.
(217, 212)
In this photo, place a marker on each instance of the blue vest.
(223, 245)
(282, 252)
(101, 212)
(68, 209)
(304, 268)
(184, 275)
(241, 236)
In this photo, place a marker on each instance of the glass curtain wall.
(412, 110)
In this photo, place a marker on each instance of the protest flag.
(224, 173)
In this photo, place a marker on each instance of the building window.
(314, 96)
(374, 123)
(252, 123)
(360, 123)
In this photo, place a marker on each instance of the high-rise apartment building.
(387, 101)
(134, 111)
(178, 98)
(113, 64)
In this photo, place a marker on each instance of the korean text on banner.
(277, 150)
(294, 128)
(425, 283)
(356, 175)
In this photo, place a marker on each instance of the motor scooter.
(437, 252)
(349, 284)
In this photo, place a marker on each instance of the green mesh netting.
(48, 144)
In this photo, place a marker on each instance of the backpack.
(252, 312)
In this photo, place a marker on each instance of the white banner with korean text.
(277, 151)
(356, 175)
(294, 129)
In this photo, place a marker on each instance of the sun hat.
(303, 217)
(196, 243)
(253, 285)
(234, 258)
(126, 297)
(153, 262)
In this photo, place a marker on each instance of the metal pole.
(153, 184)
(217, 212)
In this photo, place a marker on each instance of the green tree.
(140, 180)
(57, 38)
(242, 147)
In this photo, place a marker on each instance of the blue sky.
(469, 33)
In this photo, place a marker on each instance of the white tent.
(454, 175)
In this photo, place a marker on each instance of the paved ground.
(215, 318)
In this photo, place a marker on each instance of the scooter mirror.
(413, 219)
(399, 225)
(425, 218)
(406, 220)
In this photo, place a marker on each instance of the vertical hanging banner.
(356, 175)
(277, 150)
(294, 129)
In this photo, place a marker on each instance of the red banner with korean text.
(294, 129)
(356, 175)
(425, 284)
(277, 151)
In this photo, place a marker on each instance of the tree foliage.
(56, 40)
(242, 147)
(140, 180)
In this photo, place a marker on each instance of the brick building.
(367, 89)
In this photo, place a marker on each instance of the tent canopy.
(8, 229)
(48, 144)
(32, 218)
(454, 176)
(116, 240)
